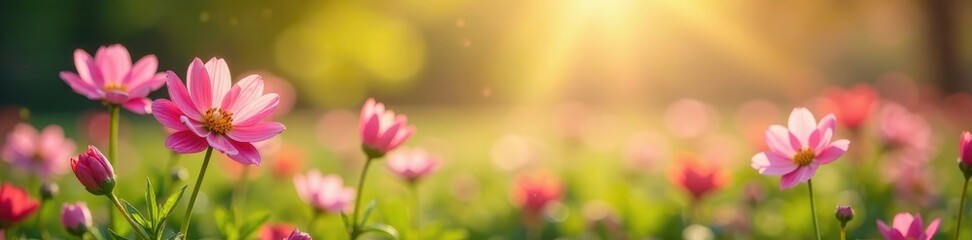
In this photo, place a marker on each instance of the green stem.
(356, 227)
(958, 224)
(94, 233)
(40, 222)
(114, 111)
(195, 192)
(239, 194)
(813, 209)
(416, 215)
(312, 226)
(843, 233)
(128, 217)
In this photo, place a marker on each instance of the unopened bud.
(844, 214)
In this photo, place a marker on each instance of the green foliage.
(237, 227)
(153, 222)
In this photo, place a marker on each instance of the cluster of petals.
(412, 164)
(908, 227)
(110, 76)
(213, 112)
(324, 193)
(534, 191)
(41, 153)
(696, 178)
(796, 151)
(381, 129)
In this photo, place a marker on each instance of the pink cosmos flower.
(43, 153)
(381, 129)
(76, 218)
(696, 178)
(412, 164)
(852, 106)
(211, 113)
(906, 227)
(965, 148)
(797, 151)
(111, 77)
(899, 128)
(325, 193)
(94, 171)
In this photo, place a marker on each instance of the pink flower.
(94, 171)
(696, 178)
(534, 191)
(899, 128)
(298, 235)
(382, 130)
(76, 218)
(210, 113)
(325, 193)
(906, 227)
(965, 148)
(41, 153)
(852, 106)
(111, 77)
(797, 151)
(412, 164)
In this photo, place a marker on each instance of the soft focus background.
(605, 93)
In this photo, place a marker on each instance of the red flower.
(276, 231)
(852, 106)
(696, 178)
(15, 205)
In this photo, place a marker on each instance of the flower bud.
(94, 171)
(844, 214)
(298, 235)
(49, 190)
(76, 218)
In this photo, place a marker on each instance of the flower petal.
(222, 144)
(80, 86)
(778, 140)
(832, 152)
(143, 71)
(369, 131)
(932, 228)
(139, 105)
(168, 114)
(914, 230)
(402, 136)
(116, 97)
(257, 110)
(81, 61)
(195, 126)
(384, 141)
(247, 153)
(200, 86)
(801, 174)
(219, 74)
(888, 232)
(186, 142)
(802, 124)
(180, 96)
(772, 164)
(256, 132)
(243, 93)
(902, 222)
(114, 62)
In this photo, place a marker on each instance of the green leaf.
(153, 204)
(113, 235)
(347, 222)
(175, 236)
(137, 216)
(223, 221)
(171, 202)
(252, 224)
(370, 207)
(382, 228)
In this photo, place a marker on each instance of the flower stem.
(958, 224)
(239, 195)
(355, 226)
(843, 233)
(416, 215)
(94, 233)
(195, 192)
(113, 111)
(813, 209)
(128, 217)
(40, 220)
(312, 226)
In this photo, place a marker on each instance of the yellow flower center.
(804, 157)
(218, 121)
(115, 87)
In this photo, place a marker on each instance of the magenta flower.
(906, 227)
(965, 148)
(381, 129)
(412, 164)
(43, 153)
(94, 171)
(797, 151)
(111, 77)
(76, 218)
(210, 113)
(324, 193)
(298, 235)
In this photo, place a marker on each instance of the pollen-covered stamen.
(218, 121)
(804, 157)
(115, 87)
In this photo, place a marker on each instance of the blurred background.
(606, 93)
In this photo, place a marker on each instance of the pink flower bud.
(76, 218)
(381, 129)
(298, 235)
(965, 148)
(94, 171)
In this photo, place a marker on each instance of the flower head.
(697, 178)
(534, 191)
(412, 164)
(844, 214)
(906, 227)
(852, 106)
(15, 205)
(76, 218)
(110, 76)
(382, 130)
(965, 148)
(41, 153)
(324, 193)
(211, 113)
(94, 171)
(797, 151)
(902, 129)
(298, 235)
